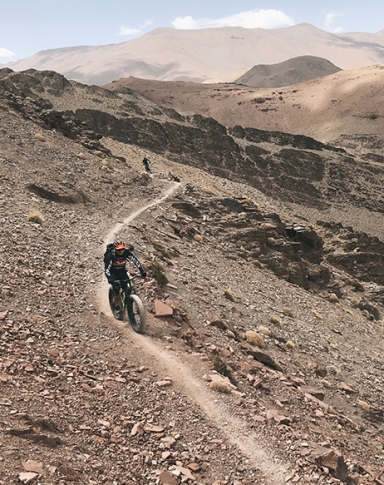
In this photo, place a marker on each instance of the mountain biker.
(115, 268)
(146, 165)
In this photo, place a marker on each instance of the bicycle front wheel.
(117, 312)
(136, 313)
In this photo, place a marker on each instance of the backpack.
(108, 250)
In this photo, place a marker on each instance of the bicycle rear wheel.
(136, 313)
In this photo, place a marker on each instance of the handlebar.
(131, 278)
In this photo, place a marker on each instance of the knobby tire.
(136, 313)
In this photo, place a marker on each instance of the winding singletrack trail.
(186, 380)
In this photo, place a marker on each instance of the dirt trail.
(115, 230)
(185, 378)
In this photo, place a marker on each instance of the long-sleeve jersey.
(115, 265)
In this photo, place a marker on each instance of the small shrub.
(275, 320)
(364, 405)
(290, 345)
(229, 295)
(158, 273)
(254, 339)
(334, 370)
(221, 367)
(367, 315)
(220, 387)
(106, 165)
(230, 334)
(35, 217)
(267, 226)
(265, 331)
(40, 137)
(288, 312)
(355, 283)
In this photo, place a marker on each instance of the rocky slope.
(281, 314)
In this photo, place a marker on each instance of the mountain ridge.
(207, 55)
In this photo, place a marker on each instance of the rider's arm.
(136, 262)
(108, 266)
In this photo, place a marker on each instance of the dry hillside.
(345, 109)
(267, 367)
(205, 55)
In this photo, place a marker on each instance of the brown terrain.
(262, 362)
(344, 108)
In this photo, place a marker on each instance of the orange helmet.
(119, 245)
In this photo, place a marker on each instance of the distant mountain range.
(207, 55)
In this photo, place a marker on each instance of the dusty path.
(185, 378)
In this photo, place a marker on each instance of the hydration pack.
(108, 250)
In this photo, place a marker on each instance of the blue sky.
(29, 26)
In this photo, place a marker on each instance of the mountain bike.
(128, 302)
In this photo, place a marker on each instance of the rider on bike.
(115, 268)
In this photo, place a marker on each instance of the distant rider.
(115, 268)
(146, 165)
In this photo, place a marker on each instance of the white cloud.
(128, 31)
(185, 23)
(266, 19)
(330, 19)
(6, 53)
